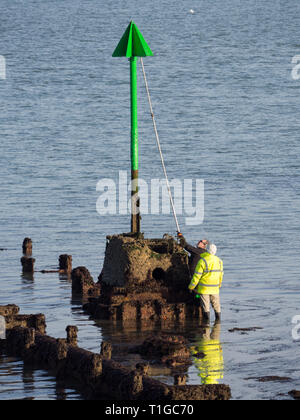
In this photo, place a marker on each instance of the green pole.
(134, 119)
(133, 45)
(135, 201)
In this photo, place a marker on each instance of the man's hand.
(182, 241)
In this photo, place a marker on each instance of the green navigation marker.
(133, 45)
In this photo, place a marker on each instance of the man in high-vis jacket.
(207, 281)
(195, 252)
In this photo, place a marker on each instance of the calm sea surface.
(227, 110)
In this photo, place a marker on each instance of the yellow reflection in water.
(211, 366)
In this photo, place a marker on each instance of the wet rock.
(27, 247)
(72, 332)
(65, 263)
(180, 379)
(27, 321)
(122, 382)
(82, 365)
(14, 319)
(270, 379)
(106, 350)
(19, 339)
(65, 359)
(170, 349)
(83, 283)
(9, 310)
(135, 383)
(245, 330)
(62, 348)
(141, 263)
(96, 377)
(174, 362)
(27, 264)
(144, 279)
(295, 394)
(202, 393)
(142, 368)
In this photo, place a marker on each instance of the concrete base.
(143, 279)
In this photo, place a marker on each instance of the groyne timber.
(95, 376)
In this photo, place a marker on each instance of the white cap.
(212, 249)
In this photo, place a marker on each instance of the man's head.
(212, 249)
(203, 243)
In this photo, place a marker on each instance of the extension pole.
(160, 151)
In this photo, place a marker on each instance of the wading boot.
(218, 317)
(205, 318)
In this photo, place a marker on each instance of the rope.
(159, 149)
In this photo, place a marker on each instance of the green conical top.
(132, 44)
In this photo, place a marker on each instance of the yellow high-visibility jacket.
(208, 276)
